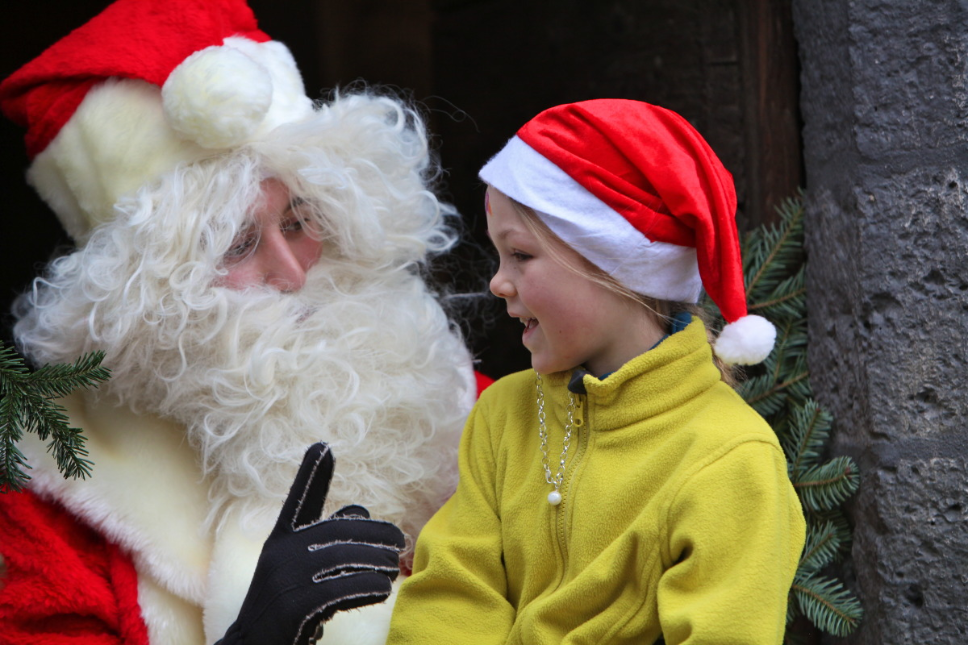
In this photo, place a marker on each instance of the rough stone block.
(910, 560)
(908, 63)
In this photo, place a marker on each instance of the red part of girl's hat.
(138, 89)
(637, 191)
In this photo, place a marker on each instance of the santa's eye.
(296, 217)
(292, 225)
(242, 245)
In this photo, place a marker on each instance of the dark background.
(480, 69)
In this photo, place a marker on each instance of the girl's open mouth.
(529, 325)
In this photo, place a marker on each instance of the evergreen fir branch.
(825, 487)
(799, 390)
(841, 527)
(27, 405)
(69, 452)
(827, 603)
(822, 546)
(784, 373)
(773, 250)
(780, 422)
(791, 339)
(787, 300)
(763, 395)
(781, 241)
(10, 361)
(768, 401)
(808, 436)
(66, 443)
(783, 304)
(57, 381)
(11, 459)
(787, 349)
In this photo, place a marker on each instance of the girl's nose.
(501, 286)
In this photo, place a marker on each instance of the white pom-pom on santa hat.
(746, 341)
(217, 97)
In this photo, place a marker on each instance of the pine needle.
(822, 546)
(827, 604)
(827, 486)
(808, 436)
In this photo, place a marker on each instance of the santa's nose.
(284, 267)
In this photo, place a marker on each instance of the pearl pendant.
(554, 498)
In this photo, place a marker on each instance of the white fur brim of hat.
(127, 133)
(586, 224)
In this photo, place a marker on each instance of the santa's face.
(277, 249)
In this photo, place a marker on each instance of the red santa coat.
(49, 556)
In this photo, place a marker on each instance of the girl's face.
(569, 320)
(276, 250)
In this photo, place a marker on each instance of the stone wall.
(885, 104)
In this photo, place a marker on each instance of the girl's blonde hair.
(661, 311)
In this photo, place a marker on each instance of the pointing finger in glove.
(310, 568)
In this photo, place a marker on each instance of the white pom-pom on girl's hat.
(638, 192)
(140, 88)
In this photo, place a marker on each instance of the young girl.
(620, 492)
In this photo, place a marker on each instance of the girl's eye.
(520, 256)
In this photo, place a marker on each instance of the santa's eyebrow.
(295, 202)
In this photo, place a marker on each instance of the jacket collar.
(663, 378)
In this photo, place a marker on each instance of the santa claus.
(253, 267)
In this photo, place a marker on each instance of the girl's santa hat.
(639, 193)
(144, 86)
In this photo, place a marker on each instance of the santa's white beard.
(370, 364)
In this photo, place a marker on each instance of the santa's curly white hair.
(363, 356)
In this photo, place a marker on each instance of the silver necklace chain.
(554, 497)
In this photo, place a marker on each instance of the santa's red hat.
(142, 87)
(638, 192)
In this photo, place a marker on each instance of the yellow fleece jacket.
(678, 518)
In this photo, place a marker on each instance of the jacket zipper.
(581, 425)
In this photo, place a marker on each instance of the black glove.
(310, 568)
